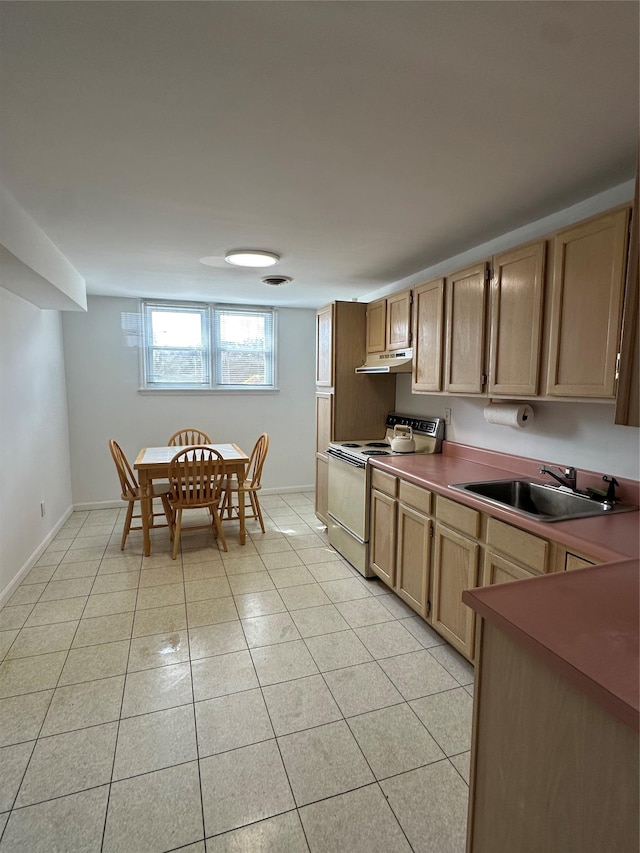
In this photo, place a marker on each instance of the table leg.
(146, 508)
(241, 513)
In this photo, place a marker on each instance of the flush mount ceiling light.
(251, 258)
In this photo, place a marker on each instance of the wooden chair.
(131, 493)
(251, 485)
(195, 480)
(188, 437)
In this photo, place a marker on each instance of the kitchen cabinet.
(383, 526)
(512, 554)
(588, 274)
(465, 330)
(554, 756)
(428, 336)
(517, 288)
(413, 549)
(347, 405)
(400, 538)
(389, 323)
(628, 392)
(568, 559)
(455, 568)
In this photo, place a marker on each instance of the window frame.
(210, 312)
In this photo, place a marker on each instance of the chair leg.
(218, 523)
(127, 525)
(176, 532)
(256, 508)
(168, 512)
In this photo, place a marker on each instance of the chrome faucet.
(569, 477)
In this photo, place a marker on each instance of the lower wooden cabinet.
(455, 568)
(498, 569)
(413, 558)
(400, 540)
(382, 546)
(322, 487)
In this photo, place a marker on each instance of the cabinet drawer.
(386, 483)
(524, 547)
(460, 517)
(575, 561)
(415, 497)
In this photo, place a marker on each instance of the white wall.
(102, 369)
(579, 434)
(34, 445)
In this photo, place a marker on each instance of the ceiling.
(361, 141)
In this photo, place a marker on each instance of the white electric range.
(349, 483)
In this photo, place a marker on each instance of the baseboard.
(283, 490)
(6, 593)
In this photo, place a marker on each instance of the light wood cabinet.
(465, 336)
(455, 568)
(382, 545)
(322, 487)
(628, 392)
(400, 538)
(348, 405)
(589, 263)
(517, 289)
(389, 323)
(568, 559)
(550, 769)
(428, 336)
(324, 346)
(498, 569)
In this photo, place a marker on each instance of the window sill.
(207, 391)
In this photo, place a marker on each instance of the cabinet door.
(413, 563)
(455, 568)
(516, 320)
(466, 300)
(382, 546)
(324, 346)
(628, 393)
(589, 262)
(324, 421)
(399, 320)
(376, 325)
(322, 486)
(428, 331)
(498, 570)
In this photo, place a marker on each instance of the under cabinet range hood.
(400, 361)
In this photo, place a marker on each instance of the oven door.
(348, 522)
(347, 497)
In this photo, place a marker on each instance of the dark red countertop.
(583, 624)
(605, 538)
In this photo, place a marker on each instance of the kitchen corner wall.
(582, 435)
(102, 369)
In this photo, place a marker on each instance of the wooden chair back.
(189, 436)
(256, 461)
(195, 477)
(128, 482)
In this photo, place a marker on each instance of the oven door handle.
(357, 463)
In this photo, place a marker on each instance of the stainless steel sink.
(541, 501)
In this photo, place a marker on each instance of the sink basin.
(541, 501)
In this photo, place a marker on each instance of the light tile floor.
(264, 699)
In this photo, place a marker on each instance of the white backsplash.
(579, 434)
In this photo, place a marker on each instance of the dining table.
(152, 463)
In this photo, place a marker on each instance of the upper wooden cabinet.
(428, 335)
(517, 289)
(389, 323)
(589, 264)
(324, 346)
(465, 336)
(628, 395)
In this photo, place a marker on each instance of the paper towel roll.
(509, 414)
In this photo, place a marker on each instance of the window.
(207, 347)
